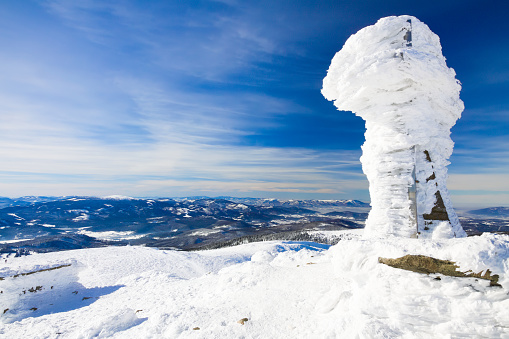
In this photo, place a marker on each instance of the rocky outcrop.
(427, 265)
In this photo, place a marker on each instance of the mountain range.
(45, 224)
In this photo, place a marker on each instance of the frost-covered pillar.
(394, 76)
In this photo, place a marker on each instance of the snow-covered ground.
(284, 289)
(111, 235)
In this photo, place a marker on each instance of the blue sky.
(180, 98)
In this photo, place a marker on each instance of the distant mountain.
(5, 202)
(300, 203)
(59, 242)
(170, 223)
(56, 223)
(499, 212)
(27, 200)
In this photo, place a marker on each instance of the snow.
(284, 289)
(13, 241)
(82, 217)
(15, 216)
(337, 235)
(118, 197)
(204, 232)
(111, 235)
(409, 99)
(155, 220)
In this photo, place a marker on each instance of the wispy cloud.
(486, 151)
(144, 126)
(162, 168)
(205, 40)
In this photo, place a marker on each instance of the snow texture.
(284, 289)
(409, 100)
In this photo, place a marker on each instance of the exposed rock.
(427, 265)
(438, 212)
(33, 290)
(242, 321)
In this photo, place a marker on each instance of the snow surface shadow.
(301, 245)
(49, 301)
(108, 326)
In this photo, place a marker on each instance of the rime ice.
(394, 76)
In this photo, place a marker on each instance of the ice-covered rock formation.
(394, 76)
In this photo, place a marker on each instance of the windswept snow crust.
(284, 289)
(394, 76)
